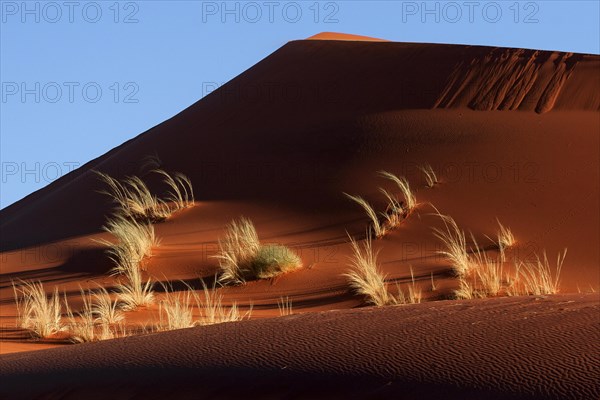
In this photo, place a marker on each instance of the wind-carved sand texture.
(516, 79)
(443, 350)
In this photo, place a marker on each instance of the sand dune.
(300, 96)
(512, 135)
(519, 348)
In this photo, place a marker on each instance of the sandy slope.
(512, 134)
(510, 348)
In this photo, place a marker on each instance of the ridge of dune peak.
(344, 36)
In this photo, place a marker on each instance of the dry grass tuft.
(135, 242)
(134, 292)
(106, 310)
(134, 199)
(37, 312)
(241, 255)
(365, 278)
(402, 183)
(177, 309)
(506, 239)
(394, 213)
(238, 247)
(465, 290)
(536, 278)
(430, 176)
(272, 260)
(455, 243)
(214, 312)
(433, 285)
(84, 327)
(378, 229)
(489, 275)
(414, 292)
(285, 306)
(182, 192)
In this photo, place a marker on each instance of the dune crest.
(344, 36)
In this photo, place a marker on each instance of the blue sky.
(81, 77)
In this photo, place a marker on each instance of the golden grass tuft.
(135, 291)
(37, 312)
(394, 213)
(285, 306)
(410, 201)
(106, 310)
(465, 290)
(177, 309)
(241, 255)
(414, 294)
(378, 229)
(86, 326)
(455, 243)
(430, 176)
(135, 241)
(134, 199)
(181, 192)
(214, 312)
(365, 277)
(238, 247)
(537, 278)
(506, 239)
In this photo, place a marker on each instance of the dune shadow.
(84, 263)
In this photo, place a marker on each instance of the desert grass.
(414, 294)
(134, 291)
(135, 241)
(465, 290)
(88, 325)
(455, 245)
(238, 247)
(213, 310)
(537, 278)
(430, 176)
(133, 198)
(37, 312)
(377, 227)
(241, 256)
(506, 239)
(365, 277)
(285, 306)
(106, 311)
(177, 309)
(402, 183)
(272, 260)
(394, 213)
(82, 327)
(433, 285)
(489, 275)
(182, 192)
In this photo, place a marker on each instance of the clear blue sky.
(79, 78)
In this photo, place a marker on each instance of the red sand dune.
(512, 134)
(441, 350)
